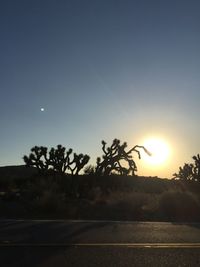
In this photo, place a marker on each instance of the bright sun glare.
(159, 150)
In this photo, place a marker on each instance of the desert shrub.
(37, 185)
(113, 206)
(133, 198)
(95, 194)
(127, 205)
(181, 206)
(126, 183)
(188, 185)
(189, 171)
(151, 207)
(50, 201)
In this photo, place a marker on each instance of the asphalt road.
(80, 243)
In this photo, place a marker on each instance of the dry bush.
(181, 206)
(127, 206)
(50, 201)
(95, 194)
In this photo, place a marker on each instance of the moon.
(42, 109)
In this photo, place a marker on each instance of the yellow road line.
(128, 245)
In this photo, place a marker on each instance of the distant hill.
(19, 171)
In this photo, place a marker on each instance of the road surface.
(91, 243)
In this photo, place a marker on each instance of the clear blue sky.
(101, 69)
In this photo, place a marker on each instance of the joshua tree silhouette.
(185, 172)
(189, 171)
(114, 156)
(57, 159)
(196, 169)
(37, 158)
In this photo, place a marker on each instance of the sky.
(100, 69)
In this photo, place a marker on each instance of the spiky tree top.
(59, 159)
(37, 158)
(114, 158)
(189, 171)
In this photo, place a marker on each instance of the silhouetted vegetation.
(115, 159)
(115, 197)
(108, 190)
(58, 159)
(189, 171)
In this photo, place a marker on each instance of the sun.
(159, 150)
